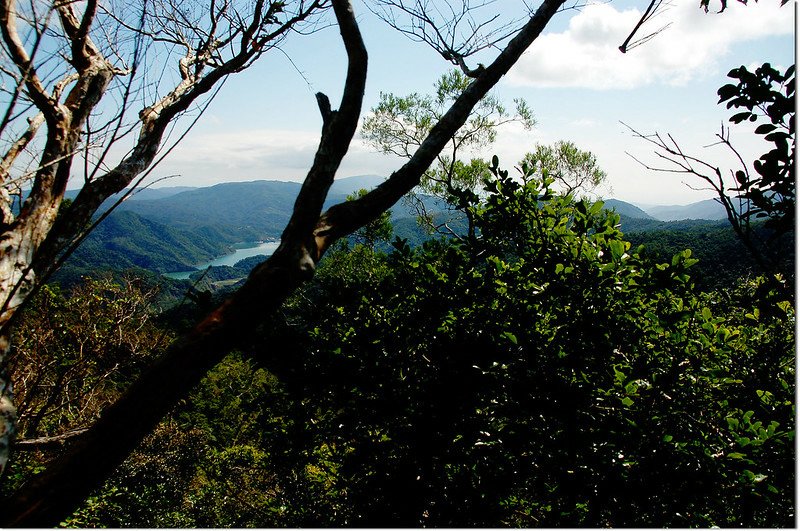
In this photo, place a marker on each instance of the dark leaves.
(768, 95)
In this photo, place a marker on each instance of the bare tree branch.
(450, 28)
(21, 59)
(655, 8)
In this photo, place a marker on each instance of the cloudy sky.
(265, 122)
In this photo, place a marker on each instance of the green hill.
(239, 211)
(175, 228)
(626, 209)
(126, 239)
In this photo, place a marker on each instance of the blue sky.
(265, 122)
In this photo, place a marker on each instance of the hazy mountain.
(241, 211)
(626, 209)
(158, 193)
(349, 185)
(138, 195)
(708, 209)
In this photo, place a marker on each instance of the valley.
(178, 232)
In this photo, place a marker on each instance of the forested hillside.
(126, 239)
(178, 229)
(247, 210)
(174, 229)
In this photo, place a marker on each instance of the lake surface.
(243, 250)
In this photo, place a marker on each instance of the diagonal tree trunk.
(50, 497)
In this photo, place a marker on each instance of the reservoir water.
(242, 250)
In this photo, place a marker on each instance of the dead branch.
(453, 29)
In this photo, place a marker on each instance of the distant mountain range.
(707, 209)
(626, 209)
(173, 228)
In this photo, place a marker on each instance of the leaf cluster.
(767, 95)
(543, 374)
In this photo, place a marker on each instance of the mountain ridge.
(709, 209)
(179, 227)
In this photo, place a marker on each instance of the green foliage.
(375, 232)
(542, 375)
(398, 125)
(767, 95)
(147, 489)
(572, 169)
(723, 259)
(74, 353)
(545, 372)
(235, 454)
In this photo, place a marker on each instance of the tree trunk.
(8, 413)
(16, 282)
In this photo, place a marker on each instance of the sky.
(264, 124)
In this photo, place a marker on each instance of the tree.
(769, 96)
(309, 233)
(572, 169)
(73, 356)
(399, 125)
(79, 81)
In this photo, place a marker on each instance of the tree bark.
(51, 496)
(21, 237)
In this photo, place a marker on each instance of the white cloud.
(245, 147)
(211, 157)
(272, 154)
(586, 54)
